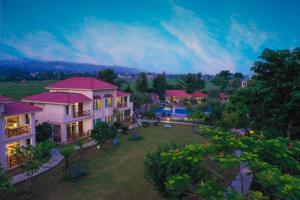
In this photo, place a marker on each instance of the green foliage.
(272, 98)
(43, 132)
(160, 85)
(102, 132)
(5, 185)
(178, 184)
(140, 99)
(107, 75)
(191, 82)
(222, 79)
(67, 151)
(42, 149)
(179, 172)
(149, 115)
(142, 83)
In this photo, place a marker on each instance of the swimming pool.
(181, 111)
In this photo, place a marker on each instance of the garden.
(113, 172)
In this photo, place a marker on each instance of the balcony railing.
(11, 132)
(122, 105)
(81, 113)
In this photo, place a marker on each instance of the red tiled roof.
(176, 93)
(199, 94)
(122, 94)
(58, 97)
(14, 107)
(82, 83)
(4, 98)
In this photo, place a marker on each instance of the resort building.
(199, 96)
(75, 104)
(17, 128)
(178, 96)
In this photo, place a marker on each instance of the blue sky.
(176, 36)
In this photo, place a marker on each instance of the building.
(17, 128)
(176, 96)
(75, 104)
(199, 96)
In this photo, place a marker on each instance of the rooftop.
(122, 94)
(14, 107)
(199, 94)
(57, 98)
(85, 83)
(176, 93)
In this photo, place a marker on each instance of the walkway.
(56, 158)
(242, 181)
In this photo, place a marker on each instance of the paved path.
(243, 180)
(56, 158)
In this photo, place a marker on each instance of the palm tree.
(67, 150)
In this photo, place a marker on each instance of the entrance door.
(80, 128)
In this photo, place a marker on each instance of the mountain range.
(36, 65)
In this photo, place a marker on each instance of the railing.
(122, 105)
(11, 132)
(81, 113)
(78, 135)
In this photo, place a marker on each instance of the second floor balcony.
(16, 131)
(81, 113)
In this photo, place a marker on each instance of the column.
(3, 155)
(63, 133)
(32, 121)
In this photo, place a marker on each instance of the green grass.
(18, 90)
(114, 173)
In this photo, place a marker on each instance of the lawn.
(114, 173)
(20, 89)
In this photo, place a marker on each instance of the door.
(80, 128)
(80, 109)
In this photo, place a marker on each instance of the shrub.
(103, 132)
(42, 149)
(149, 115)
(124, 128)
(145, 124)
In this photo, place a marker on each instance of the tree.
(142, 83)
(103, 132)
(80, 145)
(30, 163)
(5, 184)
(191, 82)
(107, 75)
(67, 151)
(160, 85)
(222, 79)
(272, 97)
(43, 131)
(140, 99)
(128, 89)
(195, 115)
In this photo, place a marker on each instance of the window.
(27, 119)
(110, 102)
(67, 110)
(97, 104)
(28, 142)
(12, 122)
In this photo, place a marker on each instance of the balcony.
(122, 105)
(11, 132)
(81, 113)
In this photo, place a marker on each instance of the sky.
(176, 36)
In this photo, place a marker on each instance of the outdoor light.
(98, 147)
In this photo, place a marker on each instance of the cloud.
(246, 35)
(184, 43)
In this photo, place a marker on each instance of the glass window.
(67, 110)
(27, 119)
(97, 104)
(12, 122)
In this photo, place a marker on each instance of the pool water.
(181, 111)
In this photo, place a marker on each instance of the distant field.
(18, 90)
